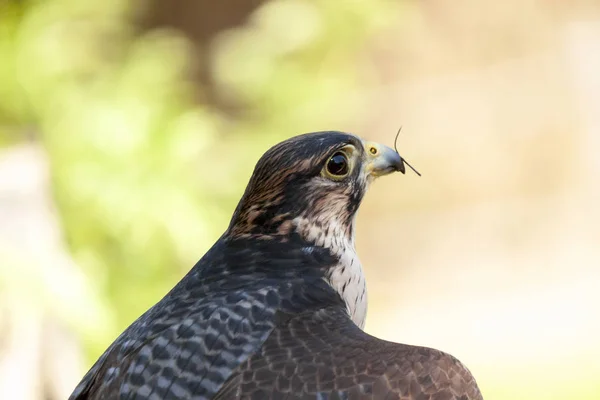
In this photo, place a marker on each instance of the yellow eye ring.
(373, 150)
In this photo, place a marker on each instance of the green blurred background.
(128, 130)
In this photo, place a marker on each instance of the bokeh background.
(128, 130)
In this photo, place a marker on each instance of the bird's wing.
(167, 355)
(323, 355)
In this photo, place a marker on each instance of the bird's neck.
(346, 275)
(301, 239)
(332, 234)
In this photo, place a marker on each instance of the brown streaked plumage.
(274, 310)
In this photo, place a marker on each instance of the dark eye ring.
(338, 165)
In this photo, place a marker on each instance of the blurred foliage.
(144, 177)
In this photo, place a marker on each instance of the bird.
(276, 308)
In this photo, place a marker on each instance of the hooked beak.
(382, 160)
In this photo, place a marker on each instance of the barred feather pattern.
(323, 355)
(188, 344)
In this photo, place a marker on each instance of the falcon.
(275, 309)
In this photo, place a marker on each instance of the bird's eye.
(337, 165)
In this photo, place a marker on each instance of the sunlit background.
(128, 130)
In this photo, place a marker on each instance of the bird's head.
(311, 185)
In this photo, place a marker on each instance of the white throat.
(347, 277)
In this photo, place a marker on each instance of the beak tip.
(400, 166)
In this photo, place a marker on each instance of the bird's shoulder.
(322, 354)
(216, 317)
(175, 346)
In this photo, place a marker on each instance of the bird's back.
(189, 343)
(323, 355)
